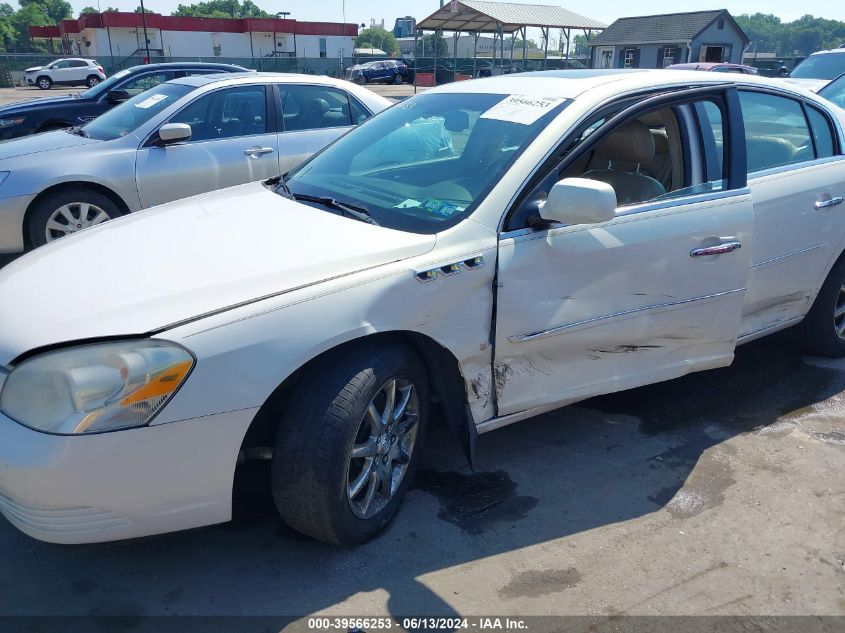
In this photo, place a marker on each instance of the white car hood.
(182, 260)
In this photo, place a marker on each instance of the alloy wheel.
(382, 447)
(72, 217)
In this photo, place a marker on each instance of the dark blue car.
(54, 113)
(391, 71)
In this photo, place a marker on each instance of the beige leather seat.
(632, 143)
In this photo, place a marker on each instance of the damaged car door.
(588, 306)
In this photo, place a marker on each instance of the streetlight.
(146, 39)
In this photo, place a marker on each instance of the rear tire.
(45, 83)
(68, 211)
(92, 81)
(823, 329)
(341, 404)
(397, 79)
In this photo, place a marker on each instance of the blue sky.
(359, 11)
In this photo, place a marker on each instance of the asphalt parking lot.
(720, 493)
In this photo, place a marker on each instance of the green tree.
(517, 43)
(580, 44)
(808, 34)
(8, 34)
(377, 37)
(425, 46)
(88, 10)
(54, 10)
(221, 9)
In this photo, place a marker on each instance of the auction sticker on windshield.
(151, 101)
(522, 109)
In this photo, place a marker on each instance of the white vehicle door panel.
(585, 310)
(793, 241)
(295, 147)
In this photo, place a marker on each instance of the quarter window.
(776, 131)
(822, 135)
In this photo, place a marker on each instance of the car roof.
(197, 81)
(833, 51)
(569, 84)
(189, 65)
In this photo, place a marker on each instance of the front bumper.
(12, 212)
(124, 484)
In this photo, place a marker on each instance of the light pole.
(146, 39)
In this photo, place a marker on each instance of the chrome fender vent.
(447, 270)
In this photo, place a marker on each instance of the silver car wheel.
(839, 313)
(44, 84)
(383, 448)
(72, 217)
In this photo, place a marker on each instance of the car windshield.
(820, 66)
(131, 114)
(835, 91)
(104, 86)
(424, 164)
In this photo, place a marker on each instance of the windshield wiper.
(77, 129)
(350, 210)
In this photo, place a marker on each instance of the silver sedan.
(180, 138)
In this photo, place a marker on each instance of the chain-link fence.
(448, 69)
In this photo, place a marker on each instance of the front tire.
(823, 329)
(45, 83)
(348, 443)
(397, 79)
(92, 81)
(66, 212)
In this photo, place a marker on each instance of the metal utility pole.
(146, 39)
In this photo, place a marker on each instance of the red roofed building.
(122, 35)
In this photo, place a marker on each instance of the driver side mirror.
(117, 96)
(171, 133)
(579, 201)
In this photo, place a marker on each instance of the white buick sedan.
(493, 249)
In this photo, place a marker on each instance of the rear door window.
(314, 107)
(776, 131)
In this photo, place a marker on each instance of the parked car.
(584, 232)
(177, 139)
(393, 71)
(73, 71)
(55, 113)
(716, 67)
(819, 69)
(835, 91)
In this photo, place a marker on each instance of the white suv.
(819, 69)
(67, 72)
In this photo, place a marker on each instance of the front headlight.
(95, 388)
(12, 121)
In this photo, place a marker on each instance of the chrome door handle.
(258, 151)
(831, 202)
(718, 249)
